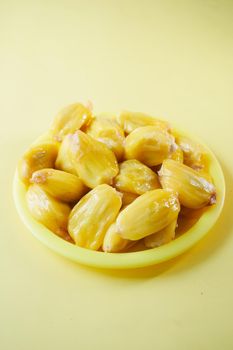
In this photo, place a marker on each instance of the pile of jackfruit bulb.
(106, 182)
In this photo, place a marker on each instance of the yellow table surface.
(169, 58)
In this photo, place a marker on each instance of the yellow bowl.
(131, 259)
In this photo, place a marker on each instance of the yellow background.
(171, 58)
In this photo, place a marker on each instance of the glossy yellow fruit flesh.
(177, 154)
(108, 166)
(195, 189)
(69, 120)
(149, 144)
(113, 242)
(90, 159)
(60, 184)
(48, 211)
(194, 154)
(92, 216)
(40, 155)
(161, 237)
(136, 177)
(66, 159)
(130, 121)
(109, 132)
(149, 213)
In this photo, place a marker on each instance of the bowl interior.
(131, 259)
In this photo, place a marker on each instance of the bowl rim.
(127, 260)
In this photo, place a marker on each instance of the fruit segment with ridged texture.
(194, 154)
(66, 156)
(69, 120)
(149, 144)
(162, 237)
(92, 215)
(60, 184)
(41, 154)
(135, 177)
(88, 158)
(149, 213)
(195, 189)
(130, 121)
(113, 242)
(48, 211)
(177, 153)
(108, 131)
